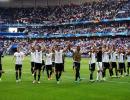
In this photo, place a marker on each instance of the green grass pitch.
(112, 89)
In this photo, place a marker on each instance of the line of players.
(110, 58)
(41, 59)
(52, 60)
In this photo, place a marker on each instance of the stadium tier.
(109, 18)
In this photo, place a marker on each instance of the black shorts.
(128, 64)
(43, 63)
(18, 67)
(59, 67)
(106, 65)
(92, 67)
(48, 67)
(114, 65)
(121, 65)
(32, 64)
(76, 65)
(53, 64)
(38, 66)
(0, 66)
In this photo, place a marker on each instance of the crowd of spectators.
(104, 29)
(86, 43)
(99, 10)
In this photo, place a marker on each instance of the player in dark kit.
(1, 71)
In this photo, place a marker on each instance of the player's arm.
(23, 56)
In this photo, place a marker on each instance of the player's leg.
(77, 68)
(20, 72)
(60, 70)
(104, 70)
(63, 64)
(100, 71)
(39, 72)
(111, 68)
(32, 67)
(16, 72)
(91, 68)
(116, 70)
(47, 71)
(43, 66)
(124, 69)
(121, 69)
(53, 68)
(0, 71)
(57, 73)
(50, 73)
(35, 72)
(109, 65)
(110, 71)
(128, 66)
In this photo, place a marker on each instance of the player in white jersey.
(38, 63)
(19, 56)
(113, 57)
(121, 61)
(48, 63)
(92, 63)
(32, 60)
(59, 62)
(106, 60)
(128, 61)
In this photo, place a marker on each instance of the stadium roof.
(39, 3)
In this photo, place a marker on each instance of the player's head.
(18, 49)
(32, 49)
(58, 47)
(100, 48)
(78, 48)
(38, 47)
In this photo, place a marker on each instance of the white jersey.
(48, 59)
(58, 56)
(19, 57)
(105, 57)
(113, 57)
(38, 56)
(32, 56)
(121, 58)
(93, 58)
(128, 58)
